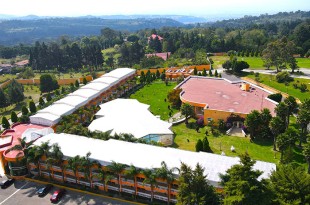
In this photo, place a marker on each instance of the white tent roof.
(96, 86)
(75, 101)
(107, 80)
(120, 73)
(58, 109)
(148, 156)
(128, 116)
(47, 119)
(86, 93)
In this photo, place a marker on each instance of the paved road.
(24, 193)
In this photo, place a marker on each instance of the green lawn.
(256, 62)
(270, 80)
(155, 95)
(186, 139)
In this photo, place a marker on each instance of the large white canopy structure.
(132, 117)
(147, 156)
(52, 114)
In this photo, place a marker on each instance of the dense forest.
(191, 44)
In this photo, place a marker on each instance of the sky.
(161, 7)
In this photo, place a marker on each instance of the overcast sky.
(125, 7)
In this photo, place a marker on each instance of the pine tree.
(216, 73)
(25, 110)
(210, 72)
(3, 99)
(84, 81)
(199, 146)
(14, 117)
(204, 72)
(32, 107)
(241, 184)
(77, 84)
(41, 101)
(5, 123)
(206, 146)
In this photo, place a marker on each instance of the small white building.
(132, 117)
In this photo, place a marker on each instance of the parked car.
(44, 190)
(6, 183)
(57, 195)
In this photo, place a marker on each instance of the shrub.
(283, 77)
(48, 97)
(303, 87)
(84, 81)
(205, 145)
(24, 119)
(276, 97)
(77, 84)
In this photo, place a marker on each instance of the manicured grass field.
(256, 62)
(186, 139)
(155, 95)
(270, 80)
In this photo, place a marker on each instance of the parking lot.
(24, 193)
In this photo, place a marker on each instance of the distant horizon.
(197, 8)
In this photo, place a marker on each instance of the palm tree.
(104, 177)
(87, 164)
(150, 178)
(117, 168)
(44, 150)
(57, 158)
(33, 157)
(132, 172)
(168, 175)
(73, 164)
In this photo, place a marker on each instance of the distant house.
(153, 36)
(22, 63)
(164, 56)
(5, 68)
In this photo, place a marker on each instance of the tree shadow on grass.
(263, 142)
(191, 125)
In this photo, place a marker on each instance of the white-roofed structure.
(74, 101)
(147, 156)
(93, 93)
(120, 73)
(132, 117)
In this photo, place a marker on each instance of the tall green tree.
(241, 184)
(278, 53)
(132, 172)
(282, 112)
(277, 126)
(303, 119)
(15, 92)
(285, 141)
(306, 152)
(291, 185)
(25, 110)
(199, 145)
(174, 98)
(292, 105)
(194, 187)
(73, 164)
(188, 111)
(251, 121)
(48, 83)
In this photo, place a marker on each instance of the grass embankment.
(256, 62)
(155, 95)
(270, 80)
